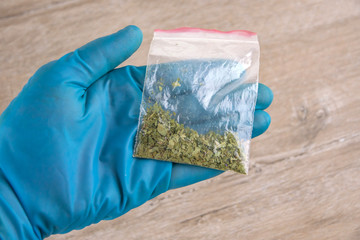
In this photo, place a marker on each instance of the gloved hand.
(66, 143)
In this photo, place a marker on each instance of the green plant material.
(161, 137)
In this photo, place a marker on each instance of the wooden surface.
(304, 181)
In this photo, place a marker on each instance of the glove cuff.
(14, 223)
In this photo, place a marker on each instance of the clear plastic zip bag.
(199, 98)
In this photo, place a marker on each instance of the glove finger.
(264, 98)
(183, 175)
(262, 122)
(98, 57)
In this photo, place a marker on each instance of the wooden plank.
(20, 8)
(303, 183)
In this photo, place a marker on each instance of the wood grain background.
(304, 180)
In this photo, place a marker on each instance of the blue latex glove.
(66, 143)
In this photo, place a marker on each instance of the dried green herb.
(162, 137)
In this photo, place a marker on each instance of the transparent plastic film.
(199, 98)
